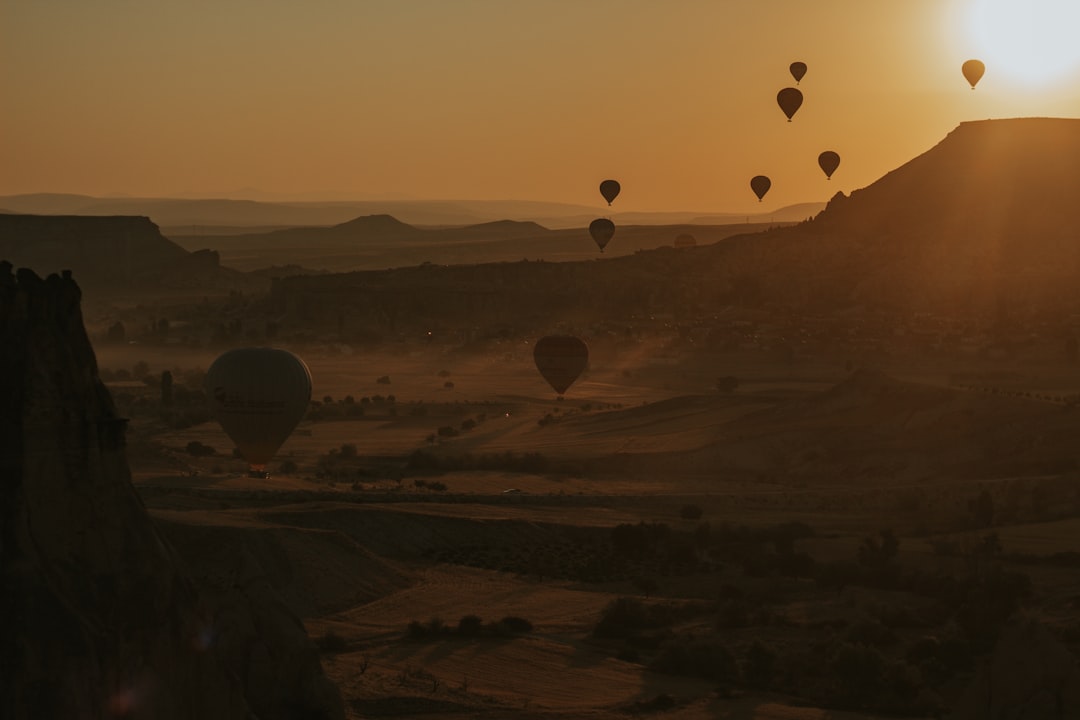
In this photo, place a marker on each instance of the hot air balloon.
(828, 161)
(973, 71)
(760, 185)
(610, 190)
(798, 69)
(561, 359)
(258, 395)
(790, 100)
(685, 240)
(602, 230)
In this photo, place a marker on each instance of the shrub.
(331, 642)
(288, 467)
(197, 449)
(759, 666)
(690, 512)
(513, 625)
(707, 658)
(470, 626)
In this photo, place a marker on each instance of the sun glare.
(1032, 42)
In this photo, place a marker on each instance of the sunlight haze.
(484, 99)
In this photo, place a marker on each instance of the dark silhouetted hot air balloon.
(258, 395)
(828, 161)
(790, 100)
(685, 240)
(602, 230)
(973, 71)
(760, 185)
(798, 69)
(610, 190)
(561, 359)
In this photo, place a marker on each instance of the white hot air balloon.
(259, 395)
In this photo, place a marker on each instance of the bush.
(759, 666)
(383, 380)
(288, 467)
(470, 626)
(197, 449)
(513, 625)
(331, 642)
(708, 659)
(690, 512)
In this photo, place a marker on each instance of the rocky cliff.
(100, 620)
(114, 251)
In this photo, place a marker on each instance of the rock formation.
(117, 251)
(100, 620)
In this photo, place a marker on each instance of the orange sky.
(486, 99)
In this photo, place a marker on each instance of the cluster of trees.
(469, 626)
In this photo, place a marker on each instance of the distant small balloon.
(760, 184)
(828, 161)
(561, 359)
(602, 230)
(798, 69)
(610, 190)
(973, 71)
(790, 100)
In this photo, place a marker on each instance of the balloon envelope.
(798, 69)
(258, 395)
(828, 161)
(561, 360)
(760, 185)
(973, 71)
(602, 230)
(790, 100)
(610, 190)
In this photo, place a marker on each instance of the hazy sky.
(506, 99)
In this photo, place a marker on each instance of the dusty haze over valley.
(487, 360)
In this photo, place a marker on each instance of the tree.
(690, 512)
(646, 585)
(759, 666)
(982, 509)
(878, 554)
(727, 384)
(116, 332)
(166, 388)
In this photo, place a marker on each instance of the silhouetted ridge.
(99, 249)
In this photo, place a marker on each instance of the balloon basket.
(258, 474)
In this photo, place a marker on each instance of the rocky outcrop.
(100, 621)
(125, 250)
(108, 252)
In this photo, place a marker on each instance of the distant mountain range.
(181, 216)
(985, 224)
(374, 242)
